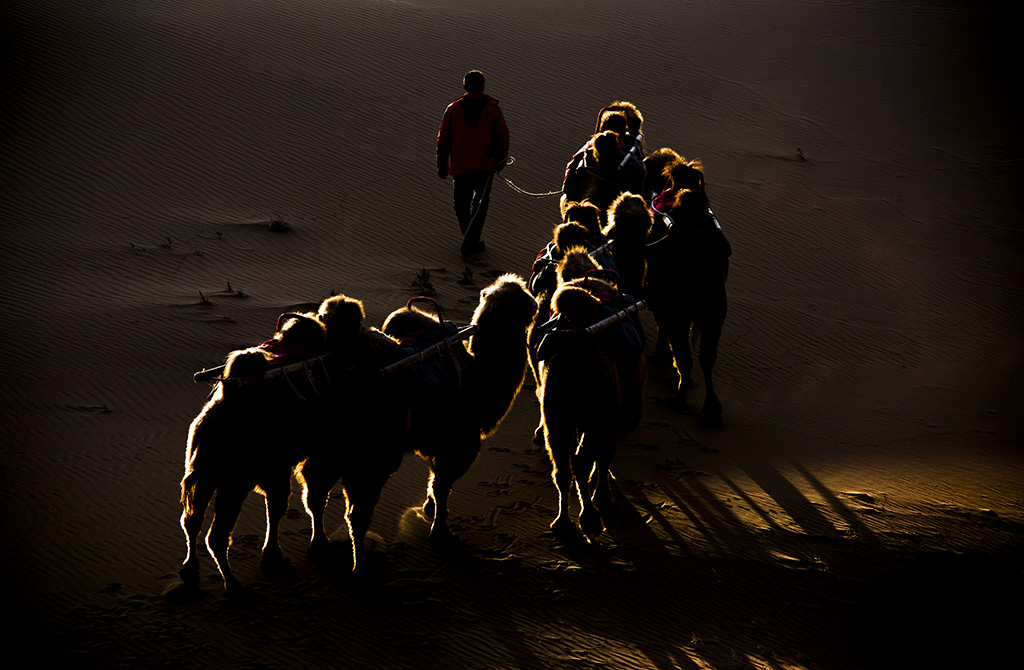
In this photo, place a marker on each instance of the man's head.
(473, 82)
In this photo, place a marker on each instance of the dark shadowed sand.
(861, 508)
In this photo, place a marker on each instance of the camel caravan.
(332, 401)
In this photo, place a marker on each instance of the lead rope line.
(510, 161)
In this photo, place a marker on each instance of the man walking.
(472, 145)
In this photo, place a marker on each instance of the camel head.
(576, 263)
(506, 305)
(342, 318)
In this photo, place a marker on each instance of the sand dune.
(862, 507)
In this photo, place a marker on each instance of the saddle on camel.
(610, 162)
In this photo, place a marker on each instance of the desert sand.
(176, 175)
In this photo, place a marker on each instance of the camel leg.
(361, 498)
(317, 483)
(682, 358)
(707, 356)
(662, 351)
(585, 461)
(276, 495)
(538, 432)
(192, 523)
(443, 474)
(561, 443)
(229, 504)
(603, 496)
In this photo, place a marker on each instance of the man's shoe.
(471, 249)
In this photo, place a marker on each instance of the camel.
(655, 179)
(687, 268)
(449, 421)
(591, 395)
(364, 428)
(629, 222)
(634, 119)
(594, 173)
(234, 447)
(253, 432)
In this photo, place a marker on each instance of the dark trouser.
(471, 197)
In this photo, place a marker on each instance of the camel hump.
(629, 216)
(302, 328)
(506, 302)
(654, 168)
(416, 331)
(585, 213)
(607, 149)
(301, 336)
(685, 173)
(584, 302)
(342, 317)
(633, 116)
(408, 324)
(247, 364)
(575, 264)
(576, 304)
(568, 235)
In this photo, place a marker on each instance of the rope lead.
(510, 161)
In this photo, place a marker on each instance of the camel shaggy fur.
(591, 395)
(629, 222)
(253, 432)
(600, 180)
(449, 423)
(687, 268)
(634, 119)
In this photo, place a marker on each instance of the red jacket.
(473, 135)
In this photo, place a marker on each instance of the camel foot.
(183, 592)
(712, 414)
(678, 403)
(565, 530)
(441, 536)
(189, 574)
(237, 593)
(605, 502)
(712, 422)
(591, 524)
